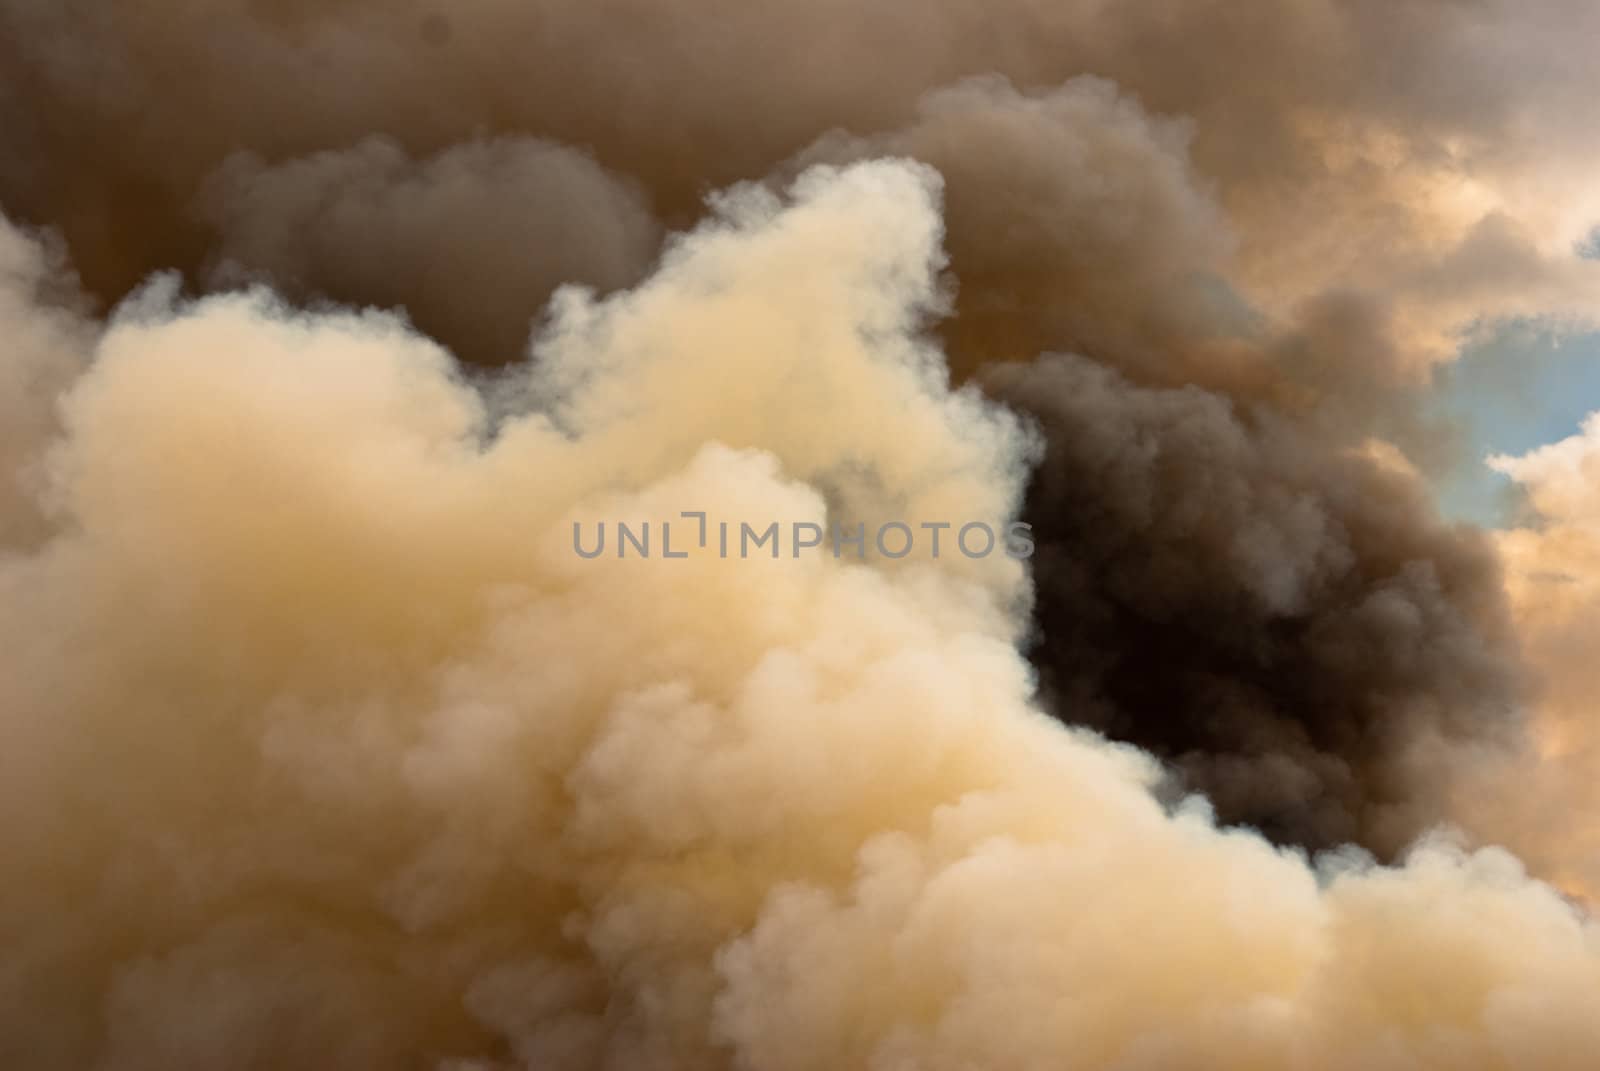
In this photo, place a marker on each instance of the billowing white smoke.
(323, 748)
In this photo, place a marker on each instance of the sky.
(1520, 388)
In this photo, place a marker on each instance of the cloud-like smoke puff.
(324, 748)
(468, 242)
(1225, 577)
(1297, 207)
(1287, 622)
(46, 337)
(1077, 222)
(1553, 568)
(1433, 157)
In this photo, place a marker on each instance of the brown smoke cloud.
(1288, 622)
(324, 748)
(469, 242)
(1431, 156)
(1228, 575)
(1297, 208)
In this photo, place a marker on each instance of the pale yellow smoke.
(1544, 803)
(323, 748)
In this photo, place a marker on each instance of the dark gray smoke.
(1289, 624)
(470, 242)
(1430, 155)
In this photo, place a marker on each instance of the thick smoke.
(467, 242)
(1431, 156)
(324, 748)
(1289, 623)
(47, 336)
(1227, 576)
(1297, 208)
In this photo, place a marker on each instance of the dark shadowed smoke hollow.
(1230, 302)
(1220, 590)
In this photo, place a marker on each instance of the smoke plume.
(329, 326)
(1431, 157)
(1288, 622)
(1298, 210)
(324, 748)
(468, 242)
